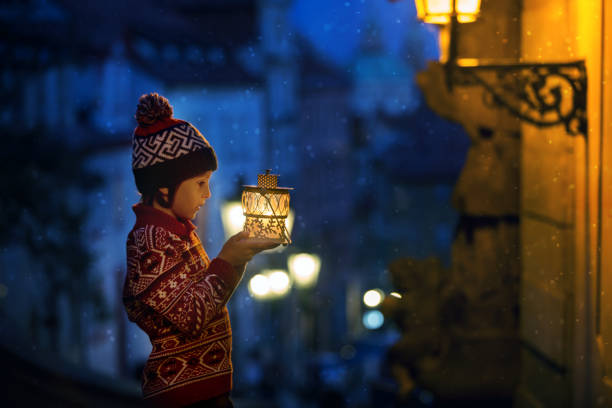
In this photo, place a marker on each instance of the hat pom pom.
(152, 108)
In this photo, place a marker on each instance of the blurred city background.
(418, 269)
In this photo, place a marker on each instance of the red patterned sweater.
(177, 296)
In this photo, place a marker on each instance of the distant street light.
(232, 218)
(269, 284)
(304, 269)
(259, 287)
(373, 297)
(279, 282)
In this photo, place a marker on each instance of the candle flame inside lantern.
(266, 207)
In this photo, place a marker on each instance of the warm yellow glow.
(395, 295)
(467, 7)
(441, 11)
(444, 43)
(279, 282)
(267, 214)
(439, 6)
(433, 19)
(304, 269)
(420, 8)
(232, 217)
(464, 18)
(289, 226)
(269, 284)
(468, 62)
(373, 297)
(259, 286)
(289, 222)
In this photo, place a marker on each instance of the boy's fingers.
(262, 243)
(239, 236)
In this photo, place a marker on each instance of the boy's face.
(190, 196)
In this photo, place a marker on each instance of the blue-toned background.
(321, 92)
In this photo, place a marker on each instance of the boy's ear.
(163, 190)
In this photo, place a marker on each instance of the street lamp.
(373, 297)
(259, 286)
(543, 94)
(269, 284)
(304, 269)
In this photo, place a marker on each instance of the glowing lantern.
(443, 11)
(266, 207)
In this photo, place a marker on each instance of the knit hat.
(165, 150)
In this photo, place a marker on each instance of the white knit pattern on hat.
(167, 144)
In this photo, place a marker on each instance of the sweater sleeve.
(182, 286)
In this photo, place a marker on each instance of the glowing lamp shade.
(441, 11)
(373, 297)
(304, 269)
(266, 207)
(232, 218)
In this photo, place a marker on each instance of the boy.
(173, 291)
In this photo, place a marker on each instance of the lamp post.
(543, 94)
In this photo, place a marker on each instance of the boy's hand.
(239, 249)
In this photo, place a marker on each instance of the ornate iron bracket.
(543, 94)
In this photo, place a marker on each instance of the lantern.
(266, 207)
(442, 11)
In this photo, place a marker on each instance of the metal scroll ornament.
(266, 207)
(539, 93)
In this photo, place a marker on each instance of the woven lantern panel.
(266, 208)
